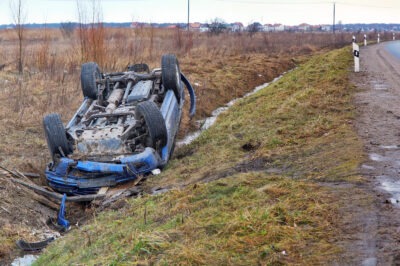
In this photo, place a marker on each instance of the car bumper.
(78, 177)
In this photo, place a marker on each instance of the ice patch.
(209, 121)
(390, 147)
(26, 260)
(367, 167)
(376, 157)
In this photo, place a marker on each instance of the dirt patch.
(378, 124)
(20, 216)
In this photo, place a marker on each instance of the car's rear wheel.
(171, 74)
(56, 136)
(89, 73)
(150, 115)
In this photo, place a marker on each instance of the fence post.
(365, 39)
(356, 53)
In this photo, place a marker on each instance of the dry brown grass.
(222, 67)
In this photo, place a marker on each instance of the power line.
(273, 2)
(365, 5)
(303, 3)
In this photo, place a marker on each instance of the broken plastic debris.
(156, 171)
(61, 220)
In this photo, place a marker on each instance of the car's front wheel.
(171, 75)
(148, 113)
(56, 136)
(89, 73)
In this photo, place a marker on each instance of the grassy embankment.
(268, 156)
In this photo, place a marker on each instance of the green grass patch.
(252, 192)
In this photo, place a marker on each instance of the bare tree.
(254, 28)
(18, 11)
(216, 26)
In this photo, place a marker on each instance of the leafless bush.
(19, 15)
(91, 33)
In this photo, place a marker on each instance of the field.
(222, 67)
(267, 196)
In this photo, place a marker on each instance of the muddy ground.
(373, 211)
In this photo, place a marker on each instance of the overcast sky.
(288, 12)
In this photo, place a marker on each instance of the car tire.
(89, 73)
(171, 74)
(56, 136)
(155, 123)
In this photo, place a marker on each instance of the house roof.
(195, 25)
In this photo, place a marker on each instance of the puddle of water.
(209, 121)
(390, 147)
(364, 166)
(391, 186)
(370, 262)
(376, 157)
(26, 260)
(379, 86)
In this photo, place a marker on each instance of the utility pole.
(188, 26)
(333, 25)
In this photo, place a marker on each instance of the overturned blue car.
(126, 126)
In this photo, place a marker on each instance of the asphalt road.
(378, 124)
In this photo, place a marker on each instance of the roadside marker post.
(394, 36)
(379, 39)
(353, 39)
(365, 40)
(356, 53)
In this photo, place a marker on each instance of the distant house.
(195, 26)
(326, 27)
(315, 28)
(268, 27)
(204, 28)
(273, 27)
(304, 27)
(279, 27)
(237, 27)
(291, 28)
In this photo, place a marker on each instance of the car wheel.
(149, 113)
(171, 74)
(56, 136)
(89, 73)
